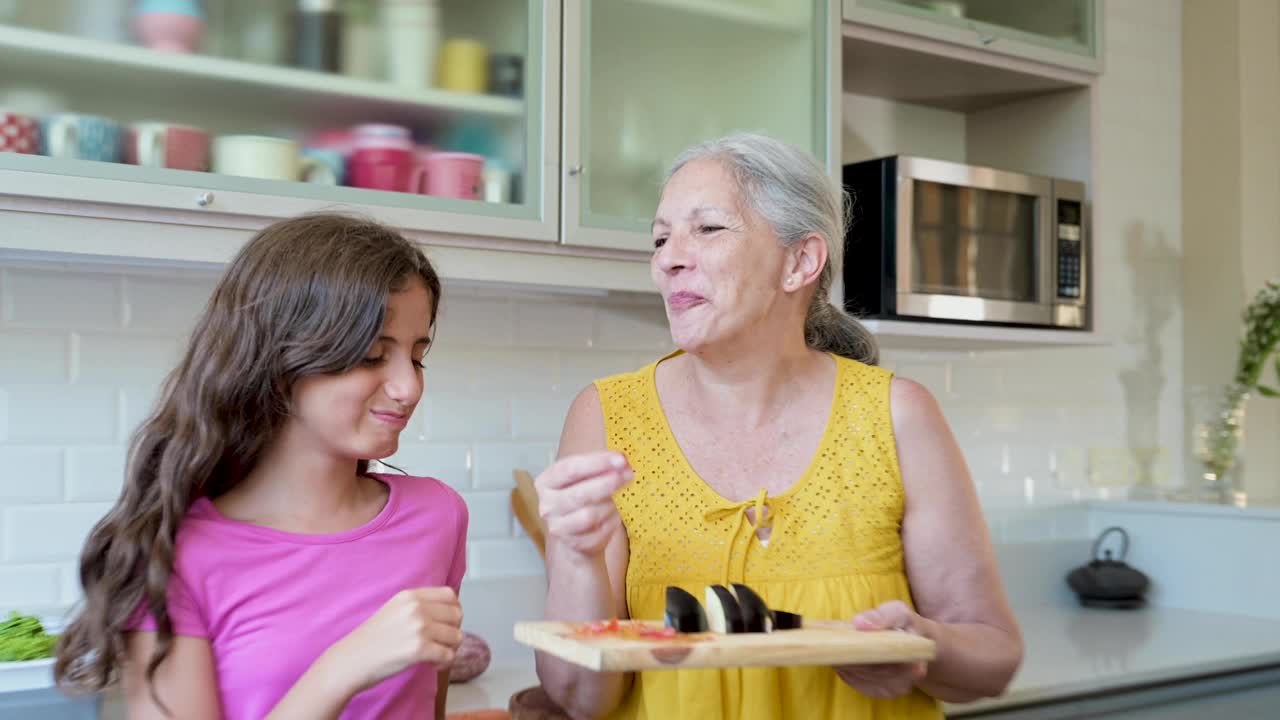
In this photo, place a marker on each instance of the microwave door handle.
(1048, 259)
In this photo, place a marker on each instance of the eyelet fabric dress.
(834, 549)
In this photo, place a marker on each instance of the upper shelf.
(923, 71)
(82, 66)
(732, 13)
(967, 337)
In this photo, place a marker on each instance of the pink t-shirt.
(270, 602)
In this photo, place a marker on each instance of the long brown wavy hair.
(305, 296)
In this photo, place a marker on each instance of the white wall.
(1231, 177)
(1058, 424)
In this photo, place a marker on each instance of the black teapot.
(1109, 583)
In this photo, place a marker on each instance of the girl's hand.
(887, 680)
(575, 499)
(414, 626)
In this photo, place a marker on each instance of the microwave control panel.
(1070, 249)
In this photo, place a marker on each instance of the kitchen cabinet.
(245, 77)
(644, 79)
(1065, 33)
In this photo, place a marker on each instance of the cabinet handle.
(575, 171)
(204, 199)
(986, 39)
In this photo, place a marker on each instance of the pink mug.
(385, 165)
(455, 175)
(180, 147)
(19, 133)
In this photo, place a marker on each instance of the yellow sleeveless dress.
(834, 550)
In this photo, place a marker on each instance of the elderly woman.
(769, 449)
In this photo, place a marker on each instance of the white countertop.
(1072, 651)
(1174, 507)
(1069, 651)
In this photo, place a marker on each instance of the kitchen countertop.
(1069, 652)
(1073, 651)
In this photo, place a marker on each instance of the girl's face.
(359, 414)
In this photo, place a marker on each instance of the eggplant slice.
(723, 613)
(684, 612)
(755, 613)
(783, 620)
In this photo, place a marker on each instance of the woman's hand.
(575, 499)
(414, 626)
(887, 680)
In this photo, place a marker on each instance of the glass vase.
(1217, 415)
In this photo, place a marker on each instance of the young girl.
(253, 567)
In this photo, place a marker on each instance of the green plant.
(1258, 351)
(22, 637)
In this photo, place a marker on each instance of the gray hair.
(789, 189)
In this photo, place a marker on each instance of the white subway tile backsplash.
(72, 593)
(490, 514)
(448, 463)
(983, 383)
(30, 474)
(48, 533)
(95, 474)
(62, 413)
(504, 558)
(565, 325)
(477, 415)
(539, 416)
(578, 370)
(157, 303)
(467, 321)
(33, 356)
(935, 377)
(28, 588)
(514, 370)
(126, 359)
(496, 461)
(136, 405)
(633, 327)
(71, 300)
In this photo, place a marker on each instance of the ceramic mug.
(83, 137)
(455, 175)
(156, 144)
(464, 66)
(330, 169)
(260, 156)
(19, 133)
(386, 165)
(169, 25)
(411, 31)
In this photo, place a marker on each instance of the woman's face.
(359, 414)
(717, 263)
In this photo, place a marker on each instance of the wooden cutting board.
(818, 643)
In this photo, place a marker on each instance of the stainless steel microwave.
(944, 241)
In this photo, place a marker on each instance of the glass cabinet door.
(644, 79)
(1064, 32)
(430, 111)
